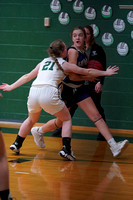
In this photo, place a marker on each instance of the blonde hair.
(55, 48)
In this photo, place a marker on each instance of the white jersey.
(49, 73)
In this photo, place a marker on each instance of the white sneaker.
(119, 147)
(38, 137)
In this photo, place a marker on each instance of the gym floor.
(41, 174)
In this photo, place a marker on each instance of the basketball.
(95, 65)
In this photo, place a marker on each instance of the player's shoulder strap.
(71, 47)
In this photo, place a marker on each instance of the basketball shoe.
(67, 154)
(119, 147)
(14, 148)
(38, 137)
(10, 197)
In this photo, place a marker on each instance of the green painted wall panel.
(17, 65)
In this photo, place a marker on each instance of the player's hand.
(5, 87)
(112, 70)
(98, 87)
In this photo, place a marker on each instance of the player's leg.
(65, 117)
(24, 131)
(4, 172)
(88, 106)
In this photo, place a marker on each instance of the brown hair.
(54, 50)
(79, 28)
(82, 29)
(92, 38)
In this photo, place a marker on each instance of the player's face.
(78, 38)
(88, 35)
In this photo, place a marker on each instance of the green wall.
(24, 42)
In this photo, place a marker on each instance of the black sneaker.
(68, 155)
(15, 149)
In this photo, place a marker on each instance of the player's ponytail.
(56, 47)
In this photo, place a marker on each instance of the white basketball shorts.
(44, 97)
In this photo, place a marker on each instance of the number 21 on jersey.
(48, 65)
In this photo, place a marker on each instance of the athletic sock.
(19, 141)
(111, 142)
(40, 130)
(66, 142)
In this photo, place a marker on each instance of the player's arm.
(76, 77)
(21, 81)
(72, 56)
(68, 67)
(72, 67)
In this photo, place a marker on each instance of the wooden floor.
(38, 174)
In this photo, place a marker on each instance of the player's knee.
(57, 124)
(97, 118)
